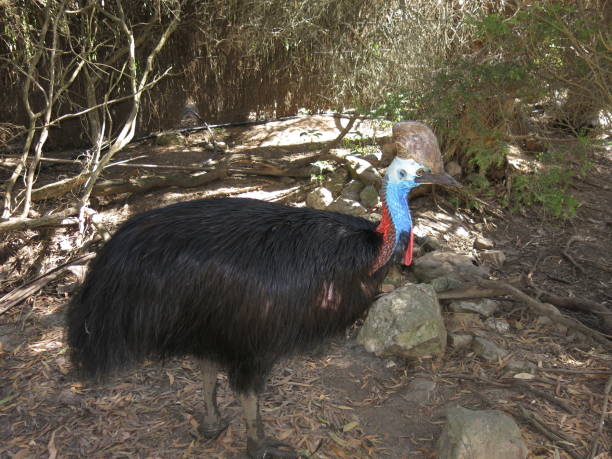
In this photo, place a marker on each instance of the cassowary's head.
(418, 161)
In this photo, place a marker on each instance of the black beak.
(436, 179)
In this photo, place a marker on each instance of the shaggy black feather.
(237, 281)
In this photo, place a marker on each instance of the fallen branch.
(549, 432)
(543, 394)
(147, 183)
(60, 218)
(602, 418)
(546, 309)
(19, 294)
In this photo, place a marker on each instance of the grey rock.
(471, 434)
(442, 284)
(348, 206)
(352, 190)
(446, 264)
(169, 138)
(221, 146)
(320, 198)
(369, 196)
(499, 325)
(495, 258)
(374, 157)
(361, 169)
(420, 390)
(483, 243)
(484, 307)
(520, 365)
(488, 350)
(405, 323)
(460, 340)
(430, 244)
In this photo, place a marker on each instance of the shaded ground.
(340, 401)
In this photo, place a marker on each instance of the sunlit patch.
(46, 344)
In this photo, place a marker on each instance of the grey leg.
(259, 447)
(211, 423)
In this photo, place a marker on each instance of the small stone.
(488, 350)
(320, 198)
(352, 190)
(420, 390)
(369, 197)
(447, 264)
(460, 340)
(482, 243)
(169, 138)
(484, 307)
(520, 365)
(221, 146)
(499, 325)
(495, 258)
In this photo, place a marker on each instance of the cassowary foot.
(210, 430)
(270, 448)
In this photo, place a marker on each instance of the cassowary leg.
(258, 446)
(211, 424)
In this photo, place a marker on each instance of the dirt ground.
(339, 401)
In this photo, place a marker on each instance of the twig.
(567, 255)
(571, 371)
(602, 418)
(19, 294)
(543, 394)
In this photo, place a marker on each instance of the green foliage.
(320, 170)
(548, 188)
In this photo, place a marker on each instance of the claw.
(270, 448)
(212, 431)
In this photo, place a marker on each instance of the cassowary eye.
(420, 172)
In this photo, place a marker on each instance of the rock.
(499, 325)
(442, 284)
(394, 276)
(335, 181)
(169, 138)
(471, 434)
(374, 157)
(482, 243)
(405, 323)
(460, 340)
(320, 198)
(463, 321)
(361, 169)
(495, 258)
(430, 244)
(369, 197)
(420, 390)
(348, 206)
(453, 168)
(520, 365)
(488, 350)
(352, 190)
(446, 264)
(484, 307)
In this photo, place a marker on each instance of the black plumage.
(240, 282)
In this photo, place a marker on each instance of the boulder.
(369, 197)
(363, 170)
(471, 434)
(484, 307)
(405, 323)
(348, 206)
(352, 190)
(447, 264)
(320, 198)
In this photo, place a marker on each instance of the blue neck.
(396, 198)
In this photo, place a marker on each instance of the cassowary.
(241, 283)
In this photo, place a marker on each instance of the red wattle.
(408, 253)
